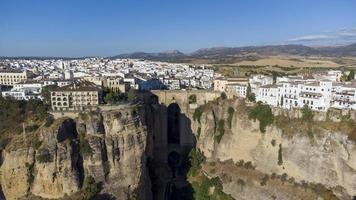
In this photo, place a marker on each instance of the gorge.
(173, 146)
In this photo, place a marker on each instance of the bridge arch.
(173, 123)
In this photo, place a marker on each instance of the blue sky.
(110, 27)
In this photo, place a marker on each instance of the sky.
(75, 28)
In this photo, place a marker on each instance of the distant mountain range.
(230, 52)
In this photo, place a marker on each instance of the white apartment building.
(288, 94)
(237, 89)
(316, 95)
(344, 97)
(25, 90)
(259, 80)
(269, 94)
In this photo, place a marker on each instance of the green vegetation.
(46, 94)
(310, 134)
(36, 144)
(223, 96)
(192, 98)
(132, 95)
(90, 187)
(221, 130)
(307, 114)
(197, 113)
(84, 146)
(273, 142)
(280, 156)
(30, 176)
(13, 113)
(249, 94)
(351, 75)
(209, 189)
(198, 132)
(112, 97)
(231, 114)
(196, 158)
(44, 156)
(264, 180)
(264, 115)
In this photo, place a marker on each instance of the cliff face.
(329, 158)
(53, 161)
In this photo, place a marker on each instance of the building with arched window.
(75, 97)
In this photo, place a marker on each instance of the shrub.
(198, 132)
(264, 115)
(85, 148)
(221, 130)
(264, 180)
(284, 177)
(240, 163)
(197, 114)
(273, 142)
(223, 96)
(83, 116)
(248, 165)
(90, 187)
(36, 144)
(44, 156)
(196, 157)
(231, 114)
(192, 98)
(202, 189)
(307, 114)
(132, 95)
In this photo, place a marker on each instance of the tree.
(264, 115)
(90, 187)
(111, 97)
(351, 75)
(249, 94)
(223, 96)
(307, 113)
(282, 99)
(274, 76)
(132, 95)
(280, 156)
(46, 94)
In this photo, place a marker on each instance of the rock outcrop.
(53, 161)
(329, 158)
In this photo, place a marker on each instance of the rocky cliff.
(325, 156)
(52, 162)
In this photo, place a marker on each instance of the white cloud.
(341, 35)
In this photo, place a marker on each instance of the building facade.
(12, 77)
(76, 97)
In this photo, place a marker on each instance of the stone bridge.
(172, 132)
(184, 98)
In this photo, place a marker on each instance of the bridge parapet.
(183, 97)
